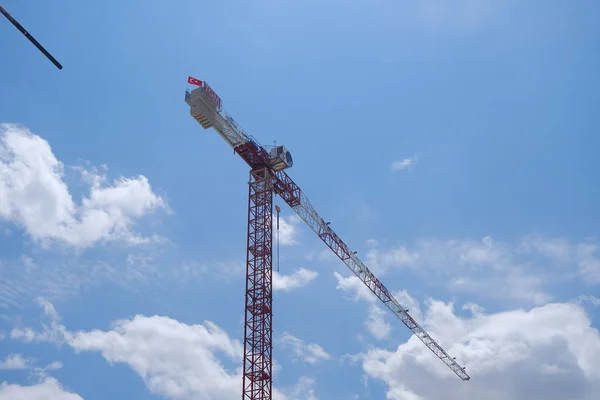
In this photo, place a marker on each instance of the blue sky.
(453, 146)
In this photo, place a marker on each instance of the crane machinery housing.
(268, 177)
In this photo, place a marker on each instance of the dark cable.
(31, 38)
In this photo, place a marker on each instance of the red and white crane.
(268, 176)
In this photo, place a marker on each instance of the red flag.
(194, 81)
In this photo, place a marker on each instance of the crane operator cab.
(281, 158)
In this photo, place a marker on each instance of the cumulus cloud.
(48, 388)
(376, 323)
(165, 353)
(53, 332)
(321, 255)
(557, 248)
(439, 254)
(183, 350)
(34, 196)
(409, 303)
(310, 353)
(288, 229)
(221, 270)
(351, 284)
(485, 267)
(299, 278)
(593, 300)
(518, 271)
(304, 389)
(548, 352)
(14, 361)
(405, 163)
(228, 270)
(589, 263)
(379, 261)
(174, 359)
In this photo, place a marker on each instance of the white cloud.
(372, 243)
(405, 163)
(310, 353)
(409, 303)
(475, 309)
(220, 270)
(514, 284)
(49, 310)
(511, 272)
(321, 255)
(304, 389)
(376, 324)
(475, 343)
(174, 359)
(548, 352)
(379, 261)
(288, 229)
(47, 389)
(440, 254)
(467, 253)
(60, 275)
(54, 366)
(34, 196)
(557, 248)
(486, 267)
(351, 284)
(165, 353)
(55, 332)
(595, 301)
(183, 350)
(589, 264)
(11, 292)
(359, 291)
(299, 278)
(561, 252)
(14, 361)
(28, 262)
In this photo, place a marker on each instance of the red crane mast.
(268, 177)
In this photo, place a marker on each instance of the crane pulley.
(268, 176)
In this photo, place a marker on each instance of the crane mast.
(268, 176)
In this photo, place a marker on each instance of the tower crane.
(268, 177)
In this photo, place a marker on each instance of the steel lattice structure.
(267, 177)
(258, 328)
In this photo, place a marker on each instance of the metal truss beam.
(258, 328)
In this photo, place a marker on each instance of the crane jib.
(309, 215)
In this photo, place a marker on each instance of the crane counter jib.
(206, 107)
